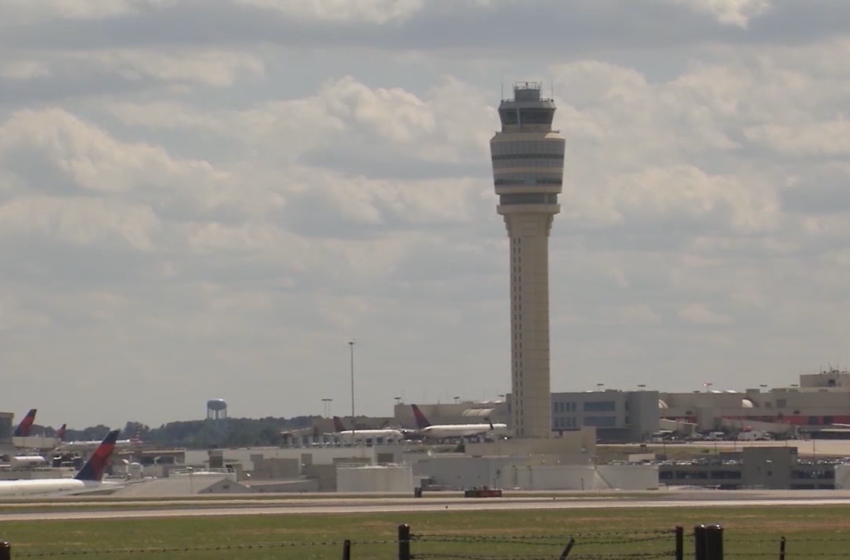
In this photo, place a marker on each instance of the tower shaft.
(528, 164)
(530, 385)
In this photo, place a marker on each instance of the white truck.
(753, 435)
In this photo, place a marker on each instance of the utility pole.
(353, 422)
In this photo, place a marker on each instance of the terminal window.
(601, 421)
(600, 406)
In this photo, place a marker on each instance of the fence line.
(707, 542)
(574, 546)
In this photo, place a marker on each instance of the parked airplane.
(92, 444)
(89, 478)
(23, 429)
(60, 433)
(347, 436)
(445, 431)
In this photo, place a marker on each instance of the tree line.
(197, 434)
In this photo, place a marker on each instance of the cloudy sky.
(209, 198)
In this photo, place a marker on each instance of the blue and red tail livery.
(23, 429)
(94, 467)
(421, 421)
(338, 426)
(60, 433)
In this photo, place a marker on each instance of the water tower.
(216, 409)
(217, 416)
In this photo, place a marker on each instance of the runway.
(324, 507)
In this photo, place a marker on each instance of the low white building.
(519, 473)
(374, 478)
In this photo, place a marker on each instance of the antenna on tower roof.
(502, 90)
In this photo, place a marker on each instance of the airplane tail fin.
(60, 433)
(421, 421)
(492, 427)
(94, 467)
(338, 424)
(23, 429)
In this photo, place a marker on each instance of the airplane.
(60, 433)
(347, 436)
(445, 431)
(23, 429)
(92, 444)
(89, 478)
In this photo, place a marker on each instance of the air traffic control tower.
(528, 170)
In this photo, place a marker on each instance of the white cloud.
(342, 11)
(212, 68)
(15, 318)
(728, 12)
(27, 11)
(681, 194)
(165, 115)
(81, 221)
(23, 69)
(814, 139)
(95, 161)
(700, 314)
(636, 314)
(346, 118)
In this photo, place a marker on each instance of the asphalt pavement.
(330, 506)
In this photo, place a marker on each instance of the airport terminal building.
(617, 416)
(819, 404)
(818, 401)
(774, 468)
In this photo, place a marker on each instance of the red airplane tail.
(23, 429)
(421, 421)
(96, 465)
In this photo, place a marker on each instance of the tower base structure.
(573, 447)
(530, 386)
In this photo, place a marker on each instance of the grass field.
(811, 532)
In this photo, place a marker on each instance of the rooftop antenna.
(502, 91)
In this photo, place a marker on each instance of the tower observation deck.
(528, 170)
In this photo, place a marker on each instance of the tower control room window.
(528, 198)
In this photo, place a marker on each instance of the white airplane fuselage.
(71, 445)
(463, 430)
(358, 435)
(48, 486)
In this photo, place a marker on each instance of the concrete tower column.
(528, 167)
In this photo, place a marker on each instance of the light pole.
(353, 423)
